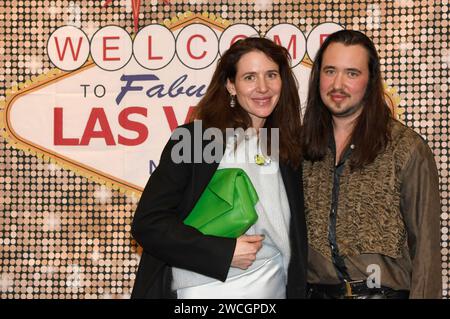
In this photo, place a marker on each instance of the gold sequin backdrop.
(64, 236)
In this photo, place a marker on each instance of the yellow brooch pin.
(262, 160)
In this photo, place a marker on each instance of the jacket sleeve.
(159, 229)
(420, 205)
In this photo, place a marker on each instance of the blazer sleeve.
(159, 229)
(421, 210)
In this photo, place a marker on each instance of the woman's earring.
(233, 100)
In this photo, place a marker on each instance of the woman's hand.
(245, 251)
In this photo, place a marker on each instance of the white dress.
(267, 276)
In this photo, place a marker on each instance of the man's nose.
(338, 81)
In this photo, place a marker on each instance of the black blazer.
(169, 196)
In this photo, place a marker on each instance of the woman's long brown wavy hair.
(214, 108)
(371, 132)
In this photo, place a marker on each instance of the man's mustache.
(340, 92)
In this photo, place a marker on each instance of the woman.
(252, 88)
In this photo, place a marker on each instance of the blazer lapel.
(291, 179)
(201, 175)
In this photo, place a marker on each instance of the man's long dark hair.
(215, 111)
(371, 132)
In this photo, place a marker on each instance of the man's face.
(343, 79)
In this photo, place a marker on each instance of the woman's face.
(257, 86)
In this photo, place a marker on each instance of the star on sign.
(136, 7)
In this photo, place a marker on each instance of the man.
(371, 184)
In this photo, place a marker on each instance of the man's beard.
(347, 112)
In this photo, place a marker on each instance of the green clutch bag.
(227, 206)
